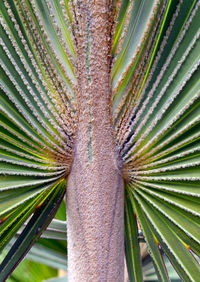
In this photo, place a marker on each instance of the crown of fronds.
(155, 83)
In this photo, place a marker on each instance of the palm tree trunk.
(95, 198)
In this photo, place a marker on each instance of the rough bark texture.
(95, 198)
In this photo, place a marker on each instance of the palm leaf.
(158, 137)
(38, 222)
(155, 107)
(35, 147)
(29, 271)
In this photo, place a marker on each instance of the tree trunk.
(95, 197)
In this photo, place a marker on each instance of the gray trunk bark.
(95, 192)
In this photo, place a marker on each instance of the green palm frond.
(155, 81)
(36, 110)
(159, 141)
